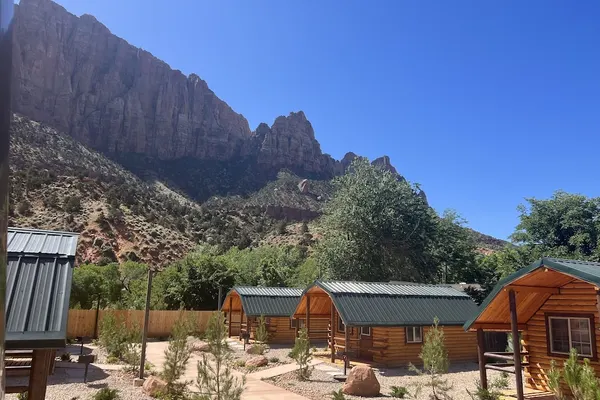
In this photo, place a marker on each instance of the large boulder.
(362, 382)
(153, 385)
(258, 361)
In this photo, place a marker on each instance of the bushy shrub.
(118, 339)
(107, 394)
(398, 392)
(339, 395)
(302, 355)
(177, 356)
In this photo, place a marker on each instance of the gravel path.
(321, 384)
(63, 387)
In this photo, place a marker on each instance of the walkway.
(255, 389)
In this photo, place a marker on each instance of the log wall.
(577, 297)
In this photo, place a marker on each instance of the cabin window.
(294, 322)
(566, 333)
(365, 331)
(341, 327)
(414, 334)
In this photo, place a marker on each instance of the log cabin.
(386, 323)
(549, 307)
(38, 288)
(243, 305)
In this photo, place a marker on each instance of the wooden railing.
(509, 366)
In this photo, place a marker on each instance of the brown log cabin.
(550, 307)
(243, 305)
(386, 323)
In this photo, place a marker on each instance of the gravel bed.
(321, 384)
(63, 387)
(275, 351)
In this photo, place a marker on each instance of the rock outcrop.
(73, 74)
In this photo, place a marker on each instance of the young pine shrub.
(435, 363)
(581, 378)
(302, 355)
(493, 391)
(554, 379)
(107, 394)
(398, 392)
(339, 395)
(262, 334)
(177, 356)
(215, 379)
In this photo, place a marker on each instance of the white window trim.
(362, 332)
(420, 330)
(293, 323)
(340, 322)
(296, 321)
(550, 318)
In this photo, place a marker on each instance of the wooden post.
(332, 332)
(96, 318)
(38, 376)
(346, 342)
(516, 342)
(308, 316)
(146, 321)
(230, 313)
(219, 304)
(241, 321)
(297, 327)
(481, 358)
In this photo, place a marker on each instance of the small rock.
(137, 382)
(362, 382)
(153, 385)
(258, 361)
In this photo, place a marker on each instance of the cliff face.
(75, 75)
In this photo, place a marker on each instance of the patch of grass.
(274, 359)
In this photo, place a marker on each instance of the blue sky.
(482, 103)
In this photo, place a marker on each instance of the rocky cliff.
(74, 74)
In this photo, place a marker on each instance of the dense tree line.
(376, 227)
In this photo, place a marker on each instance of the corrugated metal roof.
(585, 270)
(268, 301)
(391, 289)
(35, 241)
(38, 288)
(267, 291)
(392, 304)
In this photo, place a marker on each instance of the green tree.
(302, 355)
(377, 227)
(95, 285)
(435, 363)
(72, 204)
(177, 356)
(215, 379)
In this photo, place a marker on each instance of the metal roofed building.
(245, 304)
(38, 287)
(386, 322)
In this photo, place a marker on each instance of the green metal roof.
(268, 301)
(38, 287)
(392, 304)
(585, 270)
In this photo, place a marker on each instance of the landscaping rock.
(255, 349)
(362, 382)
(259, 361)
(153, 385)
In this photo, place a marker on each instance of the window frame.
(340, 323)
(413, 327)
(568, 316)
(294, 322)
(362, 332)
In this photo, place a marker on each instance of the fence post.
(146, 318)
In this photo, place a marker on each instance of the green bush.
(72, 204)
(398, 391)
(274, 359)
(119, 340)
(262, 334)
(302, 355)
(580, 377)
(177, 356)
(107, 394)
(493, 390)
(65, 356)
(339, 395)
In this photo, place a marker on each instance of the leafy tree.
(72, 204)
(307, 273)
(95, 285)
(566, 225)
(435, 363)
(302, 355)
(215, 379)
(377, 228)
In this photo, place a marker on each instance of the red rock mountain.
(74, 74)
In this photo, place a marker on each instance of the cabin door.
(366, 342)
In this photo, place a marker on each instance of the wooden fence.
(82, 322)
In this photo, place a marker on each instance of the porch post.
(241, 320)
(308, 315)
(346, 346)
(332, 333)
(516, 342)
(229, 316)
(38, 376)
(481, 358)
